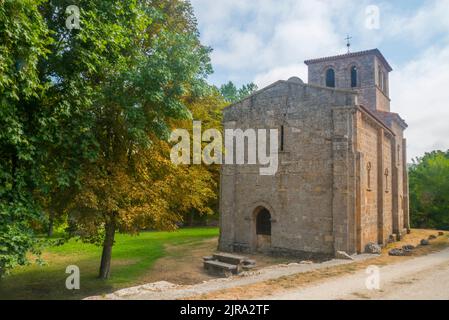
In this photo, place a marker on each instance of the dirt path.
(163, 290)
(420, 278)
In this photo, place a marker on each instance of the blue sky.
(263, 41)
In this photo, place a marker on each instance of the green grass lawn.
(132, 257)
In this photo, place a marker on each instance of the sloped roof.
(376, 52)
(386, 116)
(292, 80)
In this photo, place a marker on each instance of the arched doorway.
(263, 228)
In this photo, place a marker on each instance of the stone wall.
(368, 146)
(368, 84)
(341, 181)
(398, 176)
(381, 182)
(300, 196)
(388, 191)
(342, 67)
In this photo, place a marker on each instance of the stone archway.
(263, 228)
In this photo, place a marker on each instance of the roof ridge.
(255, 93)
(351, 54)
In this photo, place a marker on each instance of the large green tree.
(84, 115)
(134, 63)
(429, 191)
(24, 41)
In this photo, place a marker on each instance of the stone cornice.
(376, 52)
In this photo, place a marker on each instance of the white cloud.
(245, 47)
(281, 73)
(265, 36)
(267, 40)
(420, 95)
(422, 25)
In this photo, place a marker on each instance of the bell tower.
(366, 72)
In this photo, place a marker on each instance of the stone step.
(248, 267)
(222, 268)
(248, 262)
(208, 258)
(229, 258)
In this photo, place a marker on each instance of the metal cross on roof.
(348, 44)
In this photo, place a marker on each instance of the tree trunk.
(105, 265)
(191, 219)
(50, 225)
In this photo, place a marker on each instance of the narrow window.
(399, 156)
(380, 79)
(386, 180)
(330, 78)
(282, 138)
(368, 171)
(353, 77)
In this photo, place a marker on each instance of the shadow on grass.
(132, 257)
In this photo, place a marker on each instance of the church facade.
(341, 181)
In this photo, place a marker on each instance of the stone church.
(341, 181)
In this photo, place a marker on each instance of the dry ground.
(184, 266)
(278, 286)
(420, 278)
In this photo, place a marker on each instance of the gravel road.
(421, 278)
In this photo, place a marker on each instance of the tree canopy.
(85, 114)
(233, 94)
(429, 190)
(24, 42)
